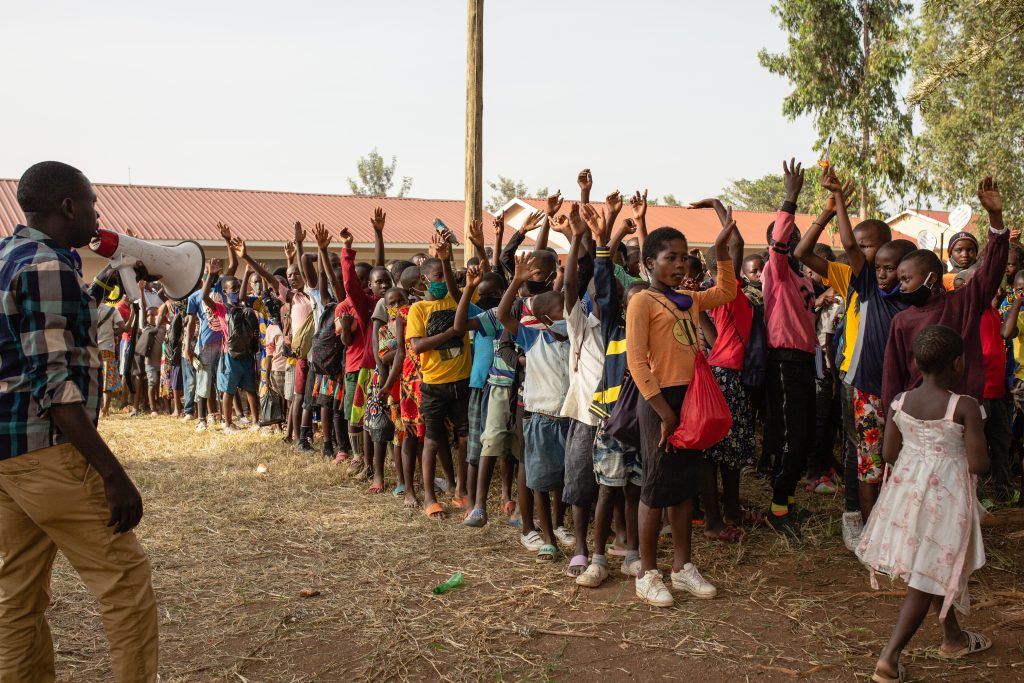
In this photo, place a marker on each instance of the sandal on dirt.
(435, 509)
(580, 562)
(730, 534)
(976, 642)
(547, 553)
(751, 518)
(461, 502)
(476, 518)
(398, 491)
(375, 488)
(883, 678)
(508, 508)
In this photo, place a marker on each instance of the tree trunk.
(865, 138)
(473, 189)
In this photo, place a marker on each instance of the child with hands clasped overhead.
(662, 340)
(926, 528)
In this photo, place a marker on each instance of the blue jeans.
(189, 380)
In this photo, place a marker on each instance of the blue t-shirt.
(197, 308)
(876, 313)
(483, 354)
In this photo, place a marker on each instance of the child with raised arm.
(926, 527)
(662, 339)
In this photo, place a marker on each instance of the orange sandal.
(461, 502)
(435, 509)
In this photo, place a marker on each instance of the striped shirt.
(48, 353)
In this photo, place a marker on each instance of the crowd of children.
(587, 386)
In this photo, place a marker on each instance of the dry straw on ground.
(298, 575)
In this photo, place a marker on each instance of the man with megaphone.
(61, 488)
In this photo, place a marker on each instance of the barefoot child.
(661, 339)
(926, 527)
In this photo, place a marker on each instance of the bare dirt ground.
(232, 551)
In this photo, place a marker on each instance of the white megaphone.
(179, 268)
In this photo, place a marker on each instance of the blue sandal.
(547, 553)
(476, 517)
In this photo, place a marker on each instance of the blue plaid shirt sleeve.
(50, 297)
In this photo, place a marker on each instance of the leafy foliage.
(505, 190)
(376, 178)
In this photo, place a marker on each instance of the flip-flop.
(882, 678)
(461, 502)
(577, 561)
(398, 490)
(729, 534)
(375, 488)
(547, 553)
(976, 642)
(508, 508)
(435, 509)
(476, 518)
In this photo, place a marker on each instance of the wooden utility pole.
(474, 120)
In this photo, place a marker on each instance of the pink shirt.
(788, 297)
(301, 308)
(273, 341)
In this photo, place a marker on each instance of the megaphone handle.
(128, 283)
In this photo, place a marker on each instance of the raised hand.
(792, 179)
(213, 267)
(561, 224)
(473, 277)
(225, 232)
(531, 222)
(322, 237)
(346, 238)
(289, 250)
(378, 219)
(728, 226)
(639, 204)
(614, 201)
(988, 195)
(498, 224)
(300, 234)
(238, 246)
(627, 227)
(554, 203)
(830, 181)
(594, 218)
(585, 180)
(847, 192)
(476, 234)
(524, 266)
(442, 248)
(1015, 234)
(576, 222)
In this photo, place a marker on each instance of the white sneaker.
(201, 426)
(690, 580)
(242, 421)
(531, 541)
(630, 568)
(651, 589)
(229, 429)
(853, 525)
(593, 577)
(186, 417)
(566, 538)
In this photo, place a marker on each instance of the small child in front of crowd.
(926, 527)
(963, 254)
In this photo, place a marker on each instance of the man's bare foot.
(886, 671)
(410, 501)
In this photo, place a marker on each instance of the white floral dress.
(926, 526)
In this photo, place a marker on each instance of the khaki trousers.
(52, 499)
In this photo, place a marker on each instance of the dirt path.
(232, 550)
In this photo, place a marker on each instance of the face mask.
(559, 327)
(920, 296)
(488, 302)
(232, 298)
(534, 287)
(438, 290)
(682, 301)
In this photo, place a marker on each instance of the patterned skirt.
(112, 379)
(736, 450)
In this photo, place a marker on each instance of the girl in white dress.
(925, 527)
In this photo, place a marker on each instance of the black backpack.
(175, 333)
(243, 332)
(327, 355)
(755, 354)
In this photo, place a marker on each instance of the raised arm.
(476, 238)
(524, 264)
(225, 233)
(508, 254)
(498, 225)
(612, 207)
(239, 245)
(586, 181)
(984, 285)
(307, 266)
(639, 204)
(379, 217)
(350, 280)
(443, 250)
(554, 203)
(462, 322)
(838, 203)
(724, 289)
(570, 284)
(212, 271)
(323, 242)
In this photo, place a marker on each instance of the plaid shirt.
(48, 351)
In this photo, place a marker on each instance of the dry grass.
(232, 550)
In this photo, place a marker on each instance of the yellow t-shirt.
(454, 361)
(1018, 348)
(839, 275)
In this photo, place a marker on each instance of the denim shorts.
(544, 453)
(235, 374)
(580, 483)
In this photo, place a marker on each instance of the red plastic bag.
(704, 418)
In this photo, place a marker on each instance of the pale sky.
(287, 95)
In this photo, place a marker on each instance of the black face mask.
(488, 302)
(920, 296)
(534, 287)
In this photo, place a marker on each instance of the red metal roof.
(178, 213)
(701, 226)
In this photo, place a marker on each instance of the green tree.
(845, 60)
(767, 193)
(376, 178)
(504, 190)
(670, 200)
(973, 114)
